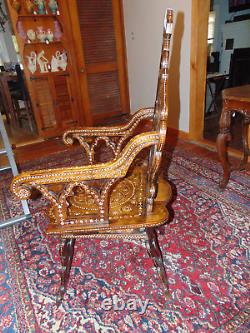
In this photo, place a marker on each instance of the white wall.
(143, 29)
(7, 50)
(222, 14)
(240, 33)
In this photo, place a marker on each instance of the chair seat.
(158, 217)
(127, 208)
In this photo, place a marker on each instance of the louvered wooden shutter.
(104, 65)
(97, 30)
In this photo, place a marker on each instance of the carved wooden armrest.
(89, 137)
(22, 183)
(71, 177)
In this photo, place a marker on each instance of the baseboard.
(178, 133)
(26, 143)
(210, 145)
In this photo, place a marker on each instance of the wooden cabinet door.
(54, 106)
(99, 44)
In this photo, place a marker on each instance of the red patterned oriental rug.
(113, 286)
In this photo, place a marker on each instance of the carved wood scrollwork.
(60, 203)
(114, 137)
(71, 177)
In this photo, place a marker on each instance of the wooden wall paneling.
(121, 54)
(198, 59)
(74, 26)
(72, 32)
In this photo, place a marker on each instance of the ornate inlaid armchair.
(123, 197)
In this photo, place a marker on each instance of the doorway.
(198, 59)
(228, 62)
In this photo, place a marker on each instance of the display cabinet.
(73, 54)
(47, 62)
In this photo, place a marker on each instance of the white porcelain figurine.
(31, 35)
(32, 62)
(42, 62)
(53, 6)
(63, 61)
(59, 61)
(41, 34)
(54, 64)
(49, 35)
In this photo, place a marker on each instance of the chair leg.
(17, 112)
(30, 119)
(67, 253)
(155, 253)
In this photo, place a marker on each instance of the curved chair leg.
(223, 138)
(155, 253)
(67, 254)
(222, 152)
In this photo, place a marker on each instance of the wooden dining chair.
(121, 198)
(19, 92)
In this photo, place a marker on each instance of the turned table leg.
(223, 138)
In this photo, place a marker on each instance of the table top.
(240, 93)
(217, 75)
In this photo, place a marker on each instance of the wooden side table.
(235, 99)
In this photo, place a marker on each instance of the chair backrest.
(21, 82)
(160, 110)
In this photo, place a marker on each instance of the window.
(211, 25)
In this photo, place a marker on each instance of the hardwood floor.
(211, 129)
(47, 147)
(19, 136)
(28, 147)
(40, 149)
